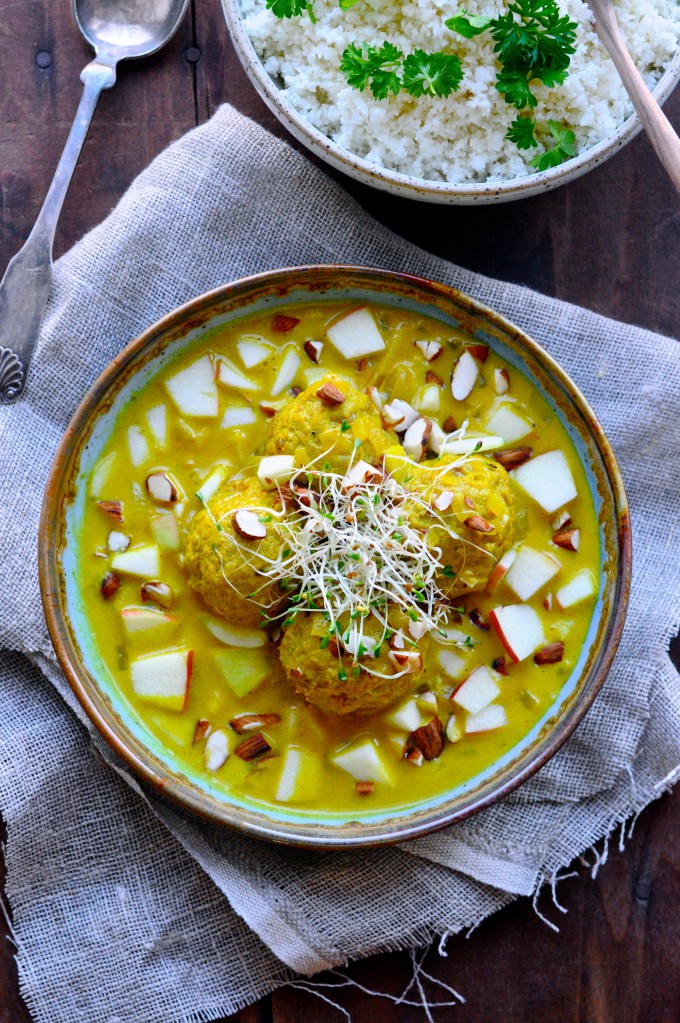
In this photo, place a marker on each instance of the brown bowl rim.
(180, 791)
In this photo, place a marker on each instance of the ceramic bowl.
(464, 194)
(65, 498)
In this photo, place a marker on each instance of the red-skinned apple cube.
(519, 629)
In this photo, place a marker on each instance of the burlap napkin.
(124, 911)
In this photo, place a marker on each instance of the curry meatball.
(226, 567)
(481, 513)
(310, 426)
(317, 671)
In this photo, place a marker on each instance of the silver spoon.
(659, 129)
(116, 30)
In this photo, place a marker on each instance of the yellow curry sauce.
(262, 364)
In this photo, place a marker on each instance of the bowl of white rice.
(451, 148)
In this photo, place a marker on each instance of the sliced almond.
(114, 509)
(283, 324)
(330, 395)
(416, 439)
(548, 602)
(432, 378)
(510, 458)
(479, 352)
(550, 654)
(160, 488)
(417, 629)
(469, 502)
(397, 641)
(361, 472)
(561, 520)
(449, 425)
(478, 619)
(216, 750)
(443, 501)
(270, 408)
(374, 395)
(428, 739)
(501, 381)
(201, 731)
(430, 349)
(464, 376)
(364, 788)
(110, 584)
(568, 539)
(253, 747)
(249, 722)
(313, 349)
(414, 756)
(500, 666)
(247, 524)
(408, 661)
(157, 593)
(392, 417)
(478, 524)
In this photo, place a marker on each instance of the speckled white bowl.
(410, 187)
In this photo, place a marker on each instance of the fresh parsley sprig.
(563, 149)
(291, 8)
(533, 41)
(385, 70)
(521, 132)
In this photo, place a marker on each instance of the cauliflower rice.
(459, 138)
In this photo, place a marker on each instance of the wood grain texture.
(609, 241)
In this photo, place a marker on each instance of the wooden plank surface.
(609, 241)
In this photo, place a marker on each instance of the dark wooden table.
(610, 241)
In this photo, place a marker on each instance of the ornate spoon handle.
(25, 288)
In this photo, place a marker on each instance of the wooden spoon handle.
(659, 129)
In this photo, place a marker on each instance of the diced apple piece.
(356, 334)
(547, 479)
(212, 484)
(363, 761)
(216, 749)
(500, 570)
(237, 415)
(244, 670)
(274, 470)
(580, 588)
(146, 625)
(519, 629)
(229, 375)
(452, 664)
(143, 562)
(477, 691)
(312, 374)
(157, 421)
(487, 720)
(406, 716)
(193, 390)
(427, 702)
(139, 447)
(464, 376)
(100, 476)
(164, 678)
(530, 571)
(428, 399)
(300, 779)
(235, 635)
(253, 349)
(510, 422)
(165, 531)
(290, 364)
(468, 445)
